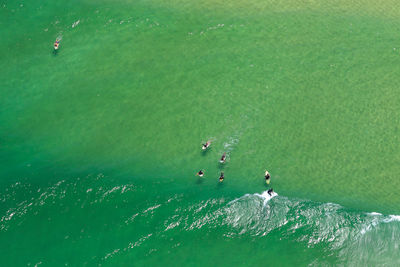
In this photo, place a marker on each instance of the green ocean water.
(99, 142)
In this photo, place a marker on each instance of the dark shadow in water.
(221, 166)
(204, 152)
(199, 180)
(55, 52)
(267, 185)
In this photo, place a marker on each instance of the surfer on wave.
(270, 192)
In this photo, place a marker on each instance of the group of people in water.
(200, 173)
(204, 146)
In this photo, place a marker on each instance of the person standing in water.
(200, 173)
(223, 158)
(221, 177)
(206, 145)
(267, 177)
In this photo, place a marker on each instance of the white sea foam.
(231, 143)
(75, 23)
(267, 197)
(392, 218)
(264, 195)
(152, 208)
(374, 213)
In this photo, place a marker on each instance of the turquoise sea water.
(99, 142)
(100, 220)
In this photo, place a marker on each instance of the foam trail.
(75, 23)
(230, 145)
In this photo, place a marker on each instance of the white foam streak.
(75, 23)
(392, 218)
(152, 208)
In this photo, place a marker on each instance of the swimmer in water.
(267, 177)
(270, 191)
(221, 177)
(200, 173)
(223, 158)
(206, 145)
(56, 44)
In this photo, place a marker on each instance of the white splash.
(267, 197)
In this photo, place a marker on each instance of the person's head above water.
(206, 145)
(223, 158)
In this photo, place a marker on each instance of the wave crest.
(356, 237)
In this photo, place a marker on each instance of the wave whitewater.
(351, 237)
(356, 237)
